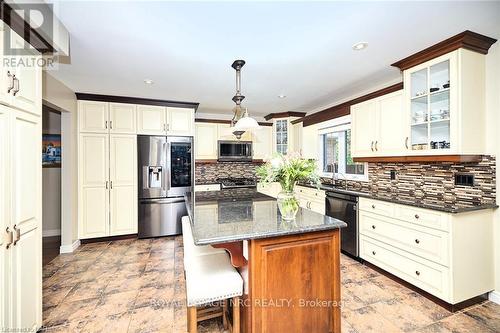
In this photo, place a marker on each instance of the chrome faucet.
(336, 179)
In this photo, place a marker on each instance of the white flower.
(276, 163)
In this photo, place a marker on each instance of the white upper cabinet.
(296, 142)
(180, 121)
(310, 139)
(93, 116)
(364, 128)
(151, 120)
(122, 118)
(206, 141)
(262, 143)
(21, 85)
(159, 120)
(392, 134)
(445, 101)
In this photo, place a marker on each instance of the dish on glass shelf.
(446, 85)
(419, 146)
(434, 89)
(420, 93)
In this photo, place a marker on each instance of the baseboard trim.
(51, 232)
(495, 296)
(69, 248)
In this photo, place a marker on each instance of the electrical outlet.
(393, 174)
(464, 179)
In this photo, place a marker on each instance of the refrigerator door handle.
(145, 177)
(163, 200)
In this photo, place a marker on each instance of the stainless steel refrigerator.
(166, 172)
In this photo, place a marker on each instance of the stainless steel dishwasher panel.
(161, 217)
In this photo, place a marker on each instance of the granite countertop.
(443, 207)
(233, 215)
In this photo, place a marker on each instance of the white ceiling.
(300, 49)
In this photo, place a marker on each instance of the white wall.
(64, 99)
(51, 182)
(492, 139)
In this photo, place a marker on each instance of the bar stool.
(210, 279)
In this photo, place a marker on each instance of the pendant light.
(241, 121)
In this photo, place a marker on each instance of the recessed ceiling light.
(360, 46)
(148, 81)
(281, 96)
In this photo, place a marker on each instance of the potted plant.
(288, 170)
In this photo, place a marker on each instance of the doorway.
(51, 183)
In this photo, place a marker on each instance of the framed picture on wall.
(51, 150)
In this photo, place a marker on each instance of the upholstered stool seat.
(190, 249)
(211, 281)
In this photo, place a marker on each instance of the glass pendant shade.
(237, 114)
(246, 123)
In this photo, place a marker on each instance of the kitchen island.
(291, 270)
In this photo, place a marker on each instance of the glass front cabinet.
(444, 105)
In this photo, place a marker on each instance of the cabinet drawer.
(426, 275)
(310, 192)
(377, 207)
(207, 187)
(424, 242)
(318, 207)
(423, 217)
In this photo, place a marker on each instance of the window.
(282, 136)
(336, 155)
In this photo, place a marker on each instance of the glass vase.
(288, 205)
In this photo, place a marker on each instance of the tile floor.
(138, 286)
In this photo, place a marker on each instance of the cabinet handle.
(11, 82)
(406, 142)
(106, 124)
(376, 143)
(17, 235)
(417, 241)
(164, 127)
(106, 184)
(111, 184)
(111, 124)
(9, 237)
(374, 253)
(374, 227)
(373, 206)
(417, 272)
(371, 146)
(16, 86)
(416, 216)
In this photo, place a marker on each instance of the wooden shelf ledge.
(421, 158)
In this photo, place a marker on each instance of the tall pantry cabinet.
(20, 192)
(107, 169)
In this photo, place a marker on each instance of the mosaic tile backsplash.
(209, 173)
(432, 183)
(428, 183)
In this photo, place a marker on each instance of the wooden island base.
(292, 284)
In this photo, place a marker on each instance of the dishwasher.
(345, 208)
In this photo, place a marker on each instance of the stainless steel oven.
(234, 151)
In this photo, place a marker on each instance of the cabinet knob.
(374, 253)
(417, 272)
(417, 241)
(373, 206)
(416, 216)
(374, 227)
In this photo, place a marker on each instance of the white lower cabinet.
(108, 185)
(123, 184)
(20, 220)
(447, 255)
(309, 198)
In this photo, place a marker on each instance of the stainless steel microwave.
(235, 151)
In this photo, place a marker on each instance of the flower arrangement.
(288, 170)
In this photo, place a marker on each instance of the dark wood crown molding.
(422, 158)
(224, 121)
(344, 109)
(468, 40)
(284, 115)
(135, 100)
(23, 29)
